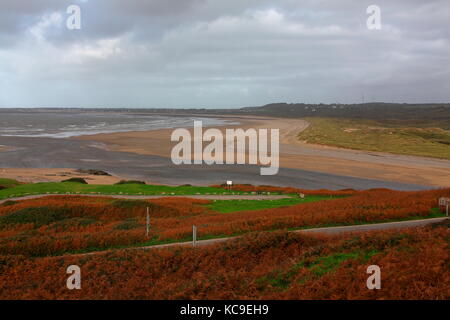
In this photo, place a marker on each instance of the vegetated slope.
(364, 207)
(67, 224)
(57, 225)
(414, 139)
(414, 265)
(8, 183)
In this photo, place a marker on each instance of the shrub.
(8, 203)
(76, 180)
(54, 224)
(129, 204)
(38, 216)
(261, 266)
(67, 224)
(128, 224)
(130, 182)
(93, 172)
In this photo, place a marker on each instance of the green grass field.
(8, 183)
(410, 139)
(228, 206)
(123, 189)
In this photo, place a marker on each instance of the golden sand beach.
(298, 155)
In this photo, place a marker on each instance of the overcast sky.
(222, 53)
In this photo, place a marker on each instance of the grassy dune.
(428, 140)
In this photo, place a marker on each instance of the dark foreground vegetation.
(414, 265)
(40, 238)
(57, 225)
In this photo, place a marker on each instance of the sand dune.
(52, 175)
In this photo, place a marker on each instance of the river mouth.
(69, 153)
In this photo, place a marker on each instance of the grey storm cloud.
(214, 53)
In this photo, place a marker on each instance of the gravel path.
(200, 196)
(329, 230)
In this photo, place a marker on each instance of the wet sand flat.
(297, 155)
(5, 148)
(86, 154)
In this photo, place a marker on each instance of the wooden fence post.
(194, 236)
(148, 223)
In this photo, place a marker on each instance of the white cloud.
(101, 50)
(48, 21)
(264, 23)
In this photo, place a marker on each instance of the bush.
(156, 209)
(8, 203)
(39, 216)
(76, 222)
(93, 172)
(264, 266)
(76, 180)
(130, 182)
(128, 224)
(128, 204)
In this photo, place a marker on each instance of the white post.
(446, 210)
(194, 235)
(148, 222)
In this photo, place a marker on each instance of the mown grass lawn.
(125, 189)
(228, 206)
(8, 183)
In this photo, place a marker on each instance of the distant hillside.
(374, 111)
(437, 114)
(412, 114)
